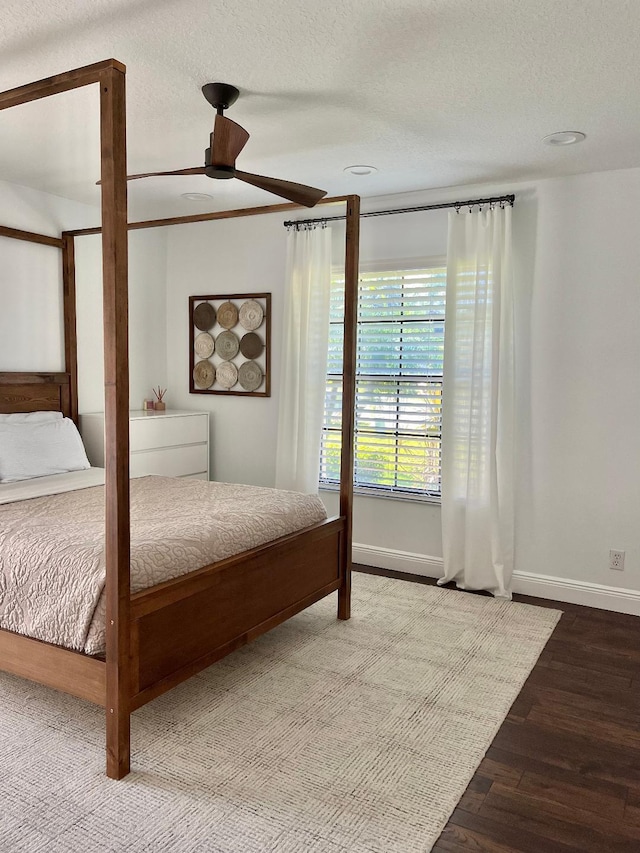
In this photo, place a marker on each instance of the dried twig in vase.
(159, 393)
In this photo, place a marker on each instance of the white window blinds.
(398, 382)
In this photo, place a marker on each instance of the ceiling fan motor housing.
(221, 96)
(212, 170)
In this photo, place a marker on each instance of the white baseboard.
(614, 598)
(588, 594)
(398, 561)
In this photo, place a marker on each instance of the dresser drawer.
(171, 461)
(146, 433)
(171, 444)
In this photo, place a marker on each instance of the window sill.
(384, 494)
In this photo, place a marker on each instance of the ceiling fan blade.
(197, 170)
(298, 193)
(227, 141)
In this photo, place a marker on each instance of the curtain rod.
(502, 199)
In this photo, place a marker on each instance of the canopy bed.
(160, 635)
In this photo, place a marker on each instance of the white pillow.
(38, 449)
(30, 417)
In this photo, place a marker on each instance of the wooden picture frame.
(263, 331)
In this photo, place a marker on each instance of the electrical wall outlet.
(616, 560)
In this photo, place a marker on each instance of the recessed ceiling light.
(196, 196)
(564, 137)
(361, 170)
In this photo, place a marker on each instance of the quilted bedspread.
(52, 567)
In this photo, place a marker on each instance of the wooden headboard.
(35, 392)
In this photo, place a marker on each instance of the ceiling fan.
(226, 142)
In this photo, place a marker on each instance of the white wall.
(147, 317)
(31, 328)
(579, 405)
(227, 257)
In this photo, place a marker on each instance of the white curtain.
(478, 403)
(304, 358)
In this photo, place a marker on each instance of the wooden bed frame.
(164, 634)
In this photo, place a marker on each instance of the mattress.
(52, 566)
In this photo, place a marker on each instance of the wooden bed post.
(318, 557)
(116, 379)
(352, 253)
(70, 331)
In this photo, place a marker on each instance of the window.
(398, 382)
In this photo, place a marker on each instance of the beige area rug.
(320, 737)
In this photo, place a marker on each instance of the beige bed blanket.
(52, 570)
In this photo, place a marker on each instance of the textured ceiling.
(432, 92)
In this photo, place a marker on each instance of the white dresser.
(172, 443)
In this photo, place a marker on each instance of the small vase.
(159, 406)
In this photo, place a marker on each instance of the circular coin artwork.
(229, 337)
(250, 375)
(204, 316)
(227, 374)
(203, 374)
(204, 345)
(227, 345)
(227, 315)
(251, 345)
(251, 315)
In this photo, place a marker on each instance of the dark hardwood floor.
(563, 773)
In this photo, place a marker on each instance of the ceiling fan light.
(196, 196)
(360, 170)
(564, 137)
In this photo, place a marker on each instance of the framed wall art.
(230, 344)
